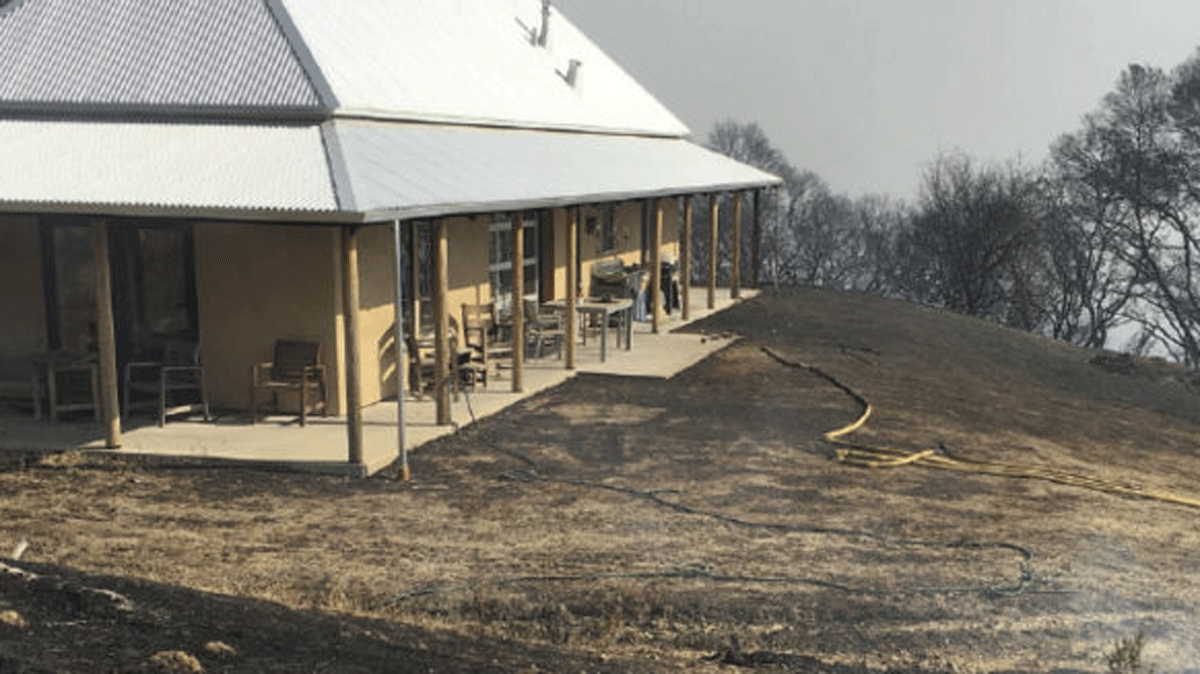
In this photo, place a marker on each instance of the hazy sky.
(867, 92)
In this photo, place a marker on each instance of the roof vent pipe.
(572, 76)
(541, 39)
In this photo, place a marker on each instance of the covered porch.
(301, 242)
(323, 445)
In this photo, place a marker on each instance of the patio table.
(622, 309)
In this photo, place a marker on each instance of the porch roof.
(112, 168)
(341, 170)
(386, 170)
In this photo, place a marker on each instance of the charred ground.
(698, 524)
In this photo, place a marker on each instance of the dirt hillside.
(701, 523)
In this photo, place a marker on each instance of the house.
(234, 172)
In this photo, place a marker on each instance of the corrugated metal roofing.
(471, 61)
(193, 167)
(424, 96)
(113, 54)
(416, 170)
(341, 170)
(458, 61)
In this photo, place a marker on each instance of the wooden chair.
(543, 328)
(481, 333)
(72, 383)
(422, 365)
(178, 372)
(479, 336)
(295, 367)
(471, 362)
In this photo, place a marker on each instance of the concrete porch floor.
(321, 446)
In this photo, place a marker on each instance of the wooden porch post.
(656, 268)
(714, 220)
(756, 241)
(110, 414)
(572, 283)
(735, 272)
(401, 359)
(441, 327)
(415, 258)
(350, 324)
(518, 302)
(685, 256)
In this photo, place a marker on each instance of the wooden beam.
(414, 245)
(656, 308)
(441, 324)
(735, 272)
(714, 222)
(518, 303)
(685, 257)
(572, 284)
(401, 359)
(110, 414)
(756, 241)
(350, 324)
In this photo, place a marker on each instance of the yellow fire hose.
(873, 456)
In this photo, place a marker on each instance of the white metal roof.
(134, 55)
(414, 170)
(472, 61)
(109, 167)
(343, 170)
(414, 108)
(455, 61)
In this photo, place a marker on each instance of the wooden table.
(622, 309)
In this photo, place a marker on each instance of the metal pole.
(401, 424)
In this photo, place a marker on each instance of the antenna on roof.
(541, 38)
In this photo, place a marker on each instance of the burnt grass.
(699, 523)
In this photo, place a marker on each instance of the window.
(500, 267)
(608, 229)
(416, 243)
(75, 285)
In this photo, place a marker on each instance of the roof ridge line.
(308, 62)
(339, 170)
(383, 117)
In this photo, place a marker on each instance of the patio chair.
(542, 327)
(295, 367)
(479, 332)
(179, 371)
(471, 363)
(72, 383)
(422, 364)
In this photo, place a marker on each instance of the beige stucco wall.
(22, 309)
(468, 283)
(559, 220)
(256, 284)
(628, 226)
(467, 239)
(672, 228)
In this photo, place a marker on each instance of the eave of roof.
(341, 171)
